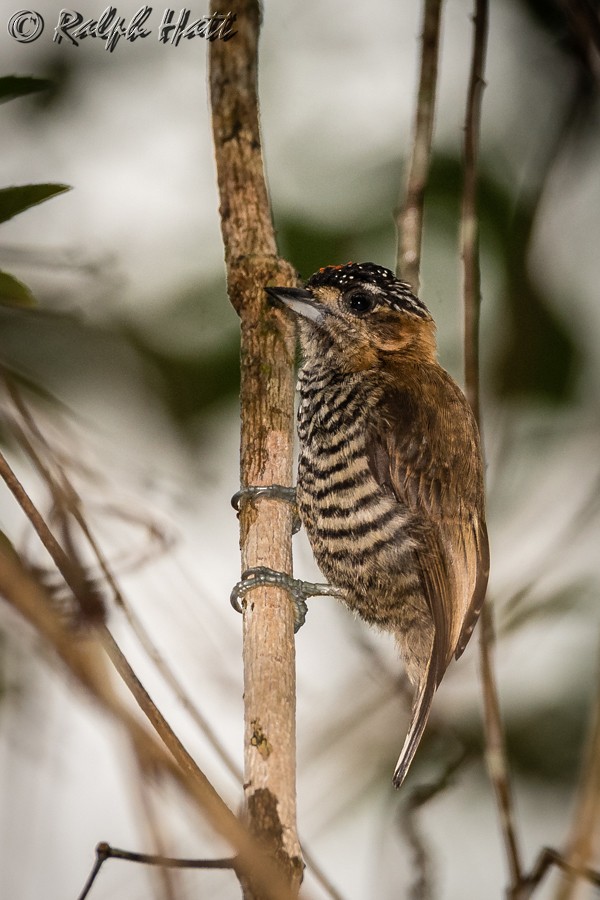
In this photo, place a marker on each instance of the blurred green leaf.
(13, 292)
(189, 385)
(192, 345)
(12, 86)
(47, 348)
(14, 200)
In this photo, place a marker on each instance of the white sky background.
(133, 139)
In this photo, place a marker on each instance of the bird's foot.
(299, 590)
(272, 491)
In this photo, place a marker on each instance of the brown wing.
(424, 448)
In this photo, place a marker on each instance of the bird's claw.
(261, 575)
(272, 491)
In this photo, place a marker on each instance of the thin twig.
(105, 851)
(409, 216)
(495, 750)
(98, 862)
(494, 734)
(170, 678)
(181, 755)
(469, 228)
(151, 859)
(148, 707)
(546, 859)
(72, 574)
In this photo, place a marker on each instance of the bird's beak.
(299, 300)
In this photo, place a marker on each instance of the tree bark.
(267, 395)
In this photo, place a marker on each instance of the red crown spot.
(324, 268)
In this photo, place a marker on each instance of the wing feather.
(424, 449)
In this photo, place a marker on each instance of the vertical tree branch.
(469, 238)
(267, 393)
(494, 734)
(409, 216)
(495, 750)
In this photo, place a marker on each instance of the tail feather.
(420, 714)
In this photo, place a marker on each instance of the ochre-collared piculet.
(390, 475)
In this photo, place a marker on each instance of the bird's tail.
(420, 713)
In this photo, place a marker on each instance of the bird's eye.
(360, 302)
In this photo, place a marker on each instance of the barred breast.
(359, 533)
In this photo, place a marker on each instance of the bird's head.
(354, 316)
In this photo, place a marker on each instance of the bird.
(390, 486)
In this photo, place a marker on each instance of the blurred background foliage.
(133, 330)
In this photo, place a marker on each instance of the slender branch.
(98, 863)
(469, 219)
(495, 750)
(547, 858)
(105, 851)
(72, 573)
(409, 217)
(494, 733)
(267, 392)
(171, 862)
(149, 708)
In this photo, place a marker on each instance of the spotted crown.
(397, 293)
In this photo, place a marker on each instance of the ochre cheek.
(391, 337)
(406, 337)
